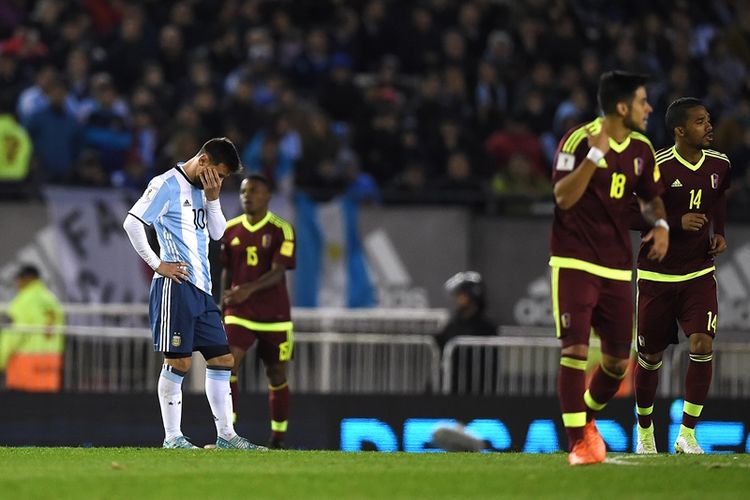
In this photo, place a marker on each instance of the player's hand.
(693, 221)
(718, 245)
(660, 238)
(599, 141)
(236, 295)
(176, 271)
(211, 183)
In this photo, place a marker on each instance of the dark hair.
(258, 177)
(28, 271)
(677, 112)
(221, 150)
(617, 86)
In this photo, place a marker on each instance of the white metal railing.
(380, 320)
(114, 359)
(529, 365)
(500, 365)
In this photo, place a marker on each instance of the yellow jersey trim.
(572, 143)
(672, 278)
(258, 225)
(691, 166)
(555, 283)
(284, 226)
(281, 326)
(640, 137)
(619, 147)
(664, 152)
(595, 269)
(716, 154)
(235, 221)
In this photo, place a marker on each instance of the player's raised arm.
(570, 188)
(215, 220)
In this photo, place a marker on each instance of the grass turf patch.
(110, 473)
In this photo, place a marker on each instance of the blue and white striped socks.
(170, 400)
(219, 396)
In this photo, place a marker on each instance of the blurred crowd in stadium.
(435, 100)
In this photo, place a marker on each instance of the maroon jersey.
(699, 188)
(248, 252)
(593, 234)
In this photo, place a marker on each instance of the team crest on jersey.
(565, 320)
(638, 166)
(715, 181)
(266, 241)
(177, 339)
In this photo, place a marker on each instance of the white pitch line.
(619, 461)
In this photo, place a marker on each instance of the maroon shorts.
(662, 306)
(273, 347)
(582, 301)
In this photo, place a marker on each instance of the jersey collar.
(179, 168)
(687, 163)
(254, 227)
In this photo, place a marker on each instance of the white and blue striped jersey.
(177, 209)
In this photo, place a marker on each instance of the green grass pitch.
(133, 473)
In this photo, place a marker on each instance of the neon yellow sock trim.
(278, 387)
(591, 402)
(702, 358)
(576, 364)
(692, 409)
(648, 366)
(574, 419)
(279, 426)
(644, 411)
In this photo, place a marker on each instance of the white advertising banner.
(93, 255)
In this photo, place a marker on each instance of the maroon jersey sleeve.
(649, 182)
(571, 151)
(285, 253)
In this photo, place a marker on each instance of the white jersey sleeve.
(154, 203)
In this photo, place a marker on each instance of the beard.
(631, 124)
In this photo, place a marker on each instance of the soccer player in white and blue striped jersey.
(183, 206)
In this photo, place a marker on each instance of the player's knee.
(651, 358)
(276, 373)
(617, 366)
(701, 343)
(580, 351)
(181, 364)
(225, 360)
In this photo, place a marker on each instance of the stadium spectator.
(106, 128)
(56, 135)
(32, 359)
(380, 67)
(15, 154)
